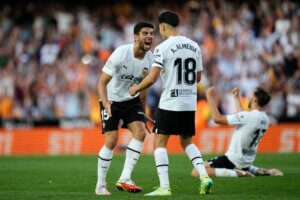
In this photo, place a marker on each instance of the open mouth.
(148, 44)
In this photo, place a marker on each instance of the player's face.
(251, 101)
(145, 38)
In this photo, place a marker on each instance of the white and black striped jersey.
(125, 70)
(180, 60)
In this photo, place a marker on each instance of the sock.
(162, 166)
(223, 172)
(195, 156)
(253, 169)
(132, 155)
(104, 159)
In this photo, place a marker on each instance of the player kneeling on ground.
(250, 127)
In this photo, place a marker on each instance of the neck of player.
(257, 107)
(171, 32)
(139, 53)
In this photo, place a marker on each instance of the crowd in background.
(51, 55)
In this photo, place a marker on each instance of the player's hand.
(210, 91)
(235, 92)
(107, 107)
(133, 90)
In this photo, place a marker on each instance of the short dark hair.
(262, 96)
(138, 27)
(169, 18)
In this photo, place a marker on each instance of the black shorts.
(174, 122)
(128, 111)
(221, 162)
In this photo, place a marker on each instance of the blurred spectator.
(51, 56)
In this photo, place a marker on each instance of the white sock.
(132, 155)
(195, 156)
(223, 172)
(253, 169)
(104, 160)
(162, 166)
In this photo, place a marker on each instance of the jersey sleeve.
(199, 61)
(158, 59)
(238, 118)
(112, 63)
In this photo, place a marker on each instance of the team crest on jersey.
(109, 63)
(144, 72)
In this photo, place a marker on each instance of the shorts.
(127, 111)
(221, 162)
(174, 122)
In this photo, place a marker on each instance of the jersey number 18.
(189, 65)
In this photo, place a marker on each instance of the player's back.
(244, 142)
(180, 59)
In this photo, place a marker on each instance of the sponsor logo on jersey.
(109, 63)
(174, 93)
(144, 72)
(182, 92)
(124, 66)
(131, 78)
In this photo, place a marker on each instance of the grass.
(74, 177)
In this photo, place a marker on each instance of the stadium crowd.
(51, 56)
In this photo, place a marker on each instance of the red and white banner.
(56, 141)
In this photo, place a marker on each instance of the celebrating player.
(178, 60)
(127, 65)
(250, 128)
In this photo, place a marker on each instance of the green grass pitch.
(74, 177)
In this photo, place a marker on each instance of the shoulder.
(244, 115)
(195, 44)
(257, 115)
(149, 54)
(164, 45)
(123, 48)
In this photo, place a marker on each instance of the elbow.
(100, 84)
(218, 119)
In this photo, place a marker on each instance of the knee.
(160, 143)
(185, 142)
(111, 141)
(139, 134)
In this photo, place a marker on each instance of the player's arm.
(157, 66)
(198, 77)
(108, 72)
(102, 91)
(236, 95)
(215, 113)
(199, 65)
(147, 81)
